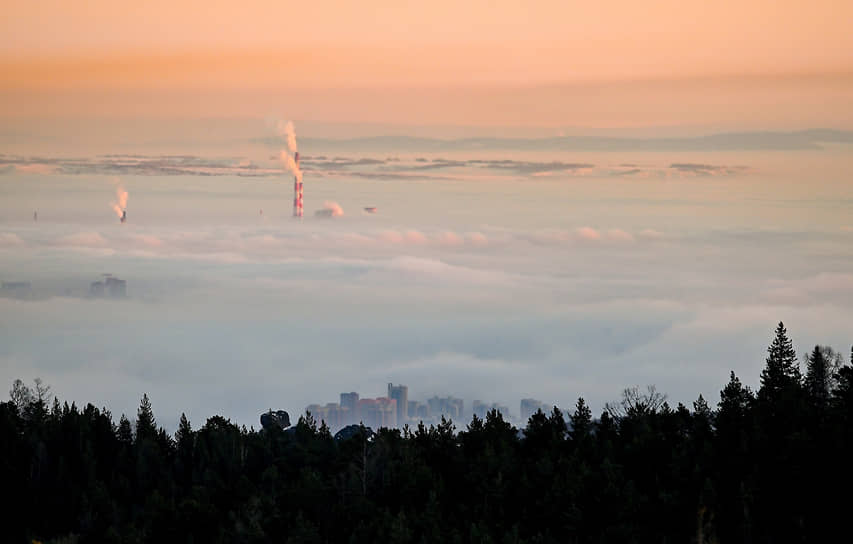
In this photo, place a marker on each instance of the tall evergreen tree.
(702, 416)
(124, 432)
(146, 425)
(818, 376)
(842, 393)
(782, 445)
(184, 434)
(581, 421)
(734, 430)
(781, 372)
(735, 399)
(754, 470)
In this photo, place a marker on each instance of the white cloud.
(588, 234)
(449, 238)
(35, 168)
(415, 237)
(147, 240)
(433, 269)
(391, 236)
(82, 239)
(477, 238)
(651, 234)
(619, 235)
(10, 239)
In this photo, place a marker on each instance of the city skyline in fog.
(501, 202)
(486, 273)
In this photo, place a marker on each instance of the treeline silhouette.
(767, 466)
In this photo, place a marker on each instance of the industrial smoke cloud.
(120, 203)
(332, 208)
(287, 131)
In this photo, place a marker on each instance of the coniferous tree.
(734, 428)
(735, 401)
(755, 469)
(557, 422)
(124, 431)
(781, 372)
(818, 378)
(842, 393)
(146, 425)
(702, 418)
(184, 434)
(783, 424)
(581, 421)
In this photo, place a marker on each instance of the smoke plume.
(287, 131)
(330, 209)
(120, 203)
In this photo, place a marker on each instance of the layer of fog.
(553, 288)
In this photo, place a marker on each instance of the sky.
(605, 64)
(572, 198)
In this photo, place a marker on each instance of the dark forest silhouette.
(766, 466)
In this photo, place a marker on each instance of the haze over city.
(565, 201)
(414, 272)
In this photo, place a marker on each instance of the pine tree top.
(781, 370)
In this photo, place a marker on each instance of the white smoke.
(287, 131)
(330, 209)
(120, 203)
(290, 164)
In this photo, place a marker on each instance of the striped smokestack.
(297, 188)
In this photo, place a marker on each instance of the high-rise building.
(96, 289)
(480, 409)
(400, 393)
(379, 412)
(331, 414)
(115, 287)
(449, 407)
(530, 407)
(388, 411)
(349, 405)
(110, 286)
(503, 409)
(418, 412)
(457, 408)
(16, 289)
(316, 410)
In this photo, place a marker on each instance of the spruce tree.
(734, 398)
(557, 423)
(701, 408)
(146, 425)
(842, 393)
(124, 432)
(818, 378)
(781, 372)
(184, 434)
(733, 458)
(581, 421)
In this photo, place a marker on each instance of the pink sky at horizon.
(616, 63)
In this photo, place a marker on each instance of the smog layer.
(493, 272)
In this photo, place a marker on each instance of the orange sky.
(84, 55)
